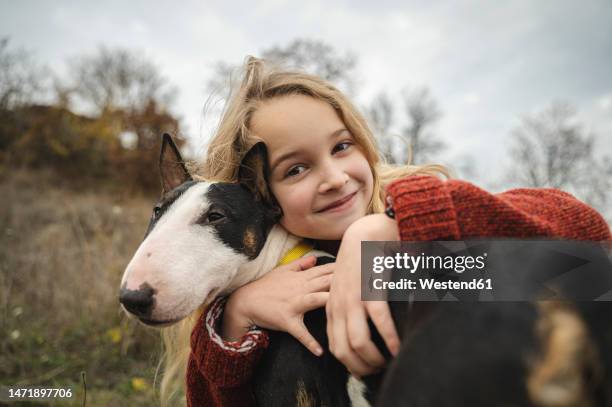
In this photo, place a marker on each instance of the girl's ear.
(172, 170)
(253, 173)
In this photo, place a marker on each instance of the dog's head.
(200, 233)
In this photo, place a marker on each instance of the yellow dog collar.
(296, 252)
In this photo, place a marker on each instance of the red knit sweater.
(426, 208)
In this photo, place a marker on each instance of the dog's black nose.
(138, 302)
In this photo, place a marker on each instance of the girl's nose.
(333, 178)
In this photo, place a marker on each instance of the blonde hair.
(263, 81)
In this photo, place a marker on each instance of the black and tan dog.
(206, 239)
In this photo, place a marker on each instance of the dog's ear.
(253, 173)
(253, 170)
(171, 167)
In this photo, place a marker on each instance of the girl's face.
(319, 175)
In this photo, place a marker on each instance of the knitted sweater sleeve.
(427, 208)
(218, 371)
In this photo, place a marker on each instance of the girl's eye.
(293, 171)
(342, 146)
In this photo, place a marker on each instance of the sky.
(487, 64)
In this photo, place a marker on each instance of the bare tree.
(423, 113)
(119, 79)
(127, 91)
(381, 116)
(222, 79)
(21, 83)
(312, 56)
(551, 149)
(20, 77)
(318, 58)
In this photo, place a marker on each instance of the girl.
(327, 178)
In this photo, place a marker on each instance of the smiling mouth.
(338, 203)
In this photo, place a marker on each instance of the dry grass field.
(62, 254)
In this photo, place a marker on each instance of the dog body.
(206, 239)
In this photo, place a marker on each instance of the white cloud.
(138, 27)
(471, 98)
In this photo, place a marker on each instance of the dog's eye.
(157, 211)
(214, 216)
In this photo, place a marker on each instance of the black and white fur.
(206, 239)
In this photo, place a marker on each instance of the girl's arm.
(427, 208)
(219, 371)
(225, 348)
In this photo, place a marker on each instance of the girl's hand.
(347, 327)
(278, 301)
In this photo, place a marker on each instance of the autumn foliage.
(116, 142)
